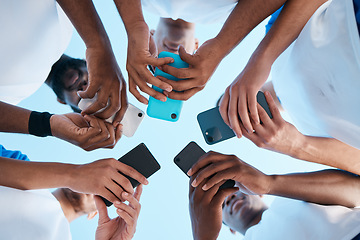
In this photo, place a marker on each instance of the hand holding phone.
(141, 159)
(170, 109)
(189, 156)
(213, 127)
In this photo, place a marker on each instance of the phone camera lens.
(210, 138)
(173, 116)
(140, 114)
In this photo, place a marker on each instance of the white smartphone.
(131, 120)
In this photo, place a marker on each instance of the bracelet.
(39, 124)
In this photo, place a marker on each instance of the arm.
(278, 135)
(105, 77)
(240, 97)
(334, 187)
(87, 132)
(139, 55)
(99, 177)
(245, 17)
(206, 210)
(124, 226)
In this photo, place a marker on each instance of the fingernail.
(117, 202)
(146, 181)
(204, 187)
(168, 89)
(189, 172)
(119, 210)
(125, 194)
(163, 99)
(193, 183)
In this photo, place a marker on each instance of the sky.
(164, 213)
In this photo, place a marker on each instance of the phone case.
(189, 156)
(141, 159)
(131, 120)
(170, 109)
(213, 127)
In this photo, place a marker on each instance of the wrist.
(300, 147)
(135, 27)
(39, 124)
(273, 181)
(224, 46)
(70, 178)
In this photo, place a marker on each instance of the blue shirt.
(12, 154)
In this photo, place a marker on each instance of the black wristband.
(39, 124)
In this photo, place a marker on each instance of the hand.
(223, 167)
(201, 67)
(124, 226)
(206, 210)
(139, 57)
(105, 178)
(276, 134)
(88, 132)
(106, 80)
(239, 98)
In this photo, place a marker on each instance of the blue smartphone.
(170, 109)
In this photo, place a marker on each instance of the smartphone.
(189, 156)
(213, 127)
(131, 119)
(141, 159)
(170, 109)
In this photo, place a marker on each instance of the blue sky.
(164, 213)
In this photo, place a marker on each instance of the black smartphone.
(141, 159)
(213, 127)
(189, 156)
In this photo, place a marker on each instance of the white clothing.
(297, 220)
(196, 11)
(319, 80)
(32, 214)
(34, 34)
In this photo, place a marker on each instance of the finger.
(115, 189)
(272, 105)
(118, 132)
(264, 117)
(101, 137)
(219, 198)
(185, 95)
(233, 113)
(146, 74)
(138, 192)
(142, 85)
(133, 202)
(244, 113)
(126, 217)
(225, 174)
(112, 107)
(252, 102)
(135, 92)
(181, 85)
(131, 172)
(210, 170)
(186, 57)
(91, 90)
(126, 208)
(159, 61)
(180, 73)
(209, 195)
(102, 209)
(206, 159)
(224, 105)
(123, 182)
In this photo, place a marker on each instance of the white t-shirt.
(298, 220)
(32, 214)
(196, 11)
(319, 80)
(34, 34)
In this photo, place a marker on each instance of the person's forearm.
(25, 175)
(13, 119)
(246, 15)
(131, 13)
(329, 151)
(85, 19)
(328, 187)
(293, 17)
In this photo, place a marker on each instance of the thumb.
(101, 207)
(186, 57)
